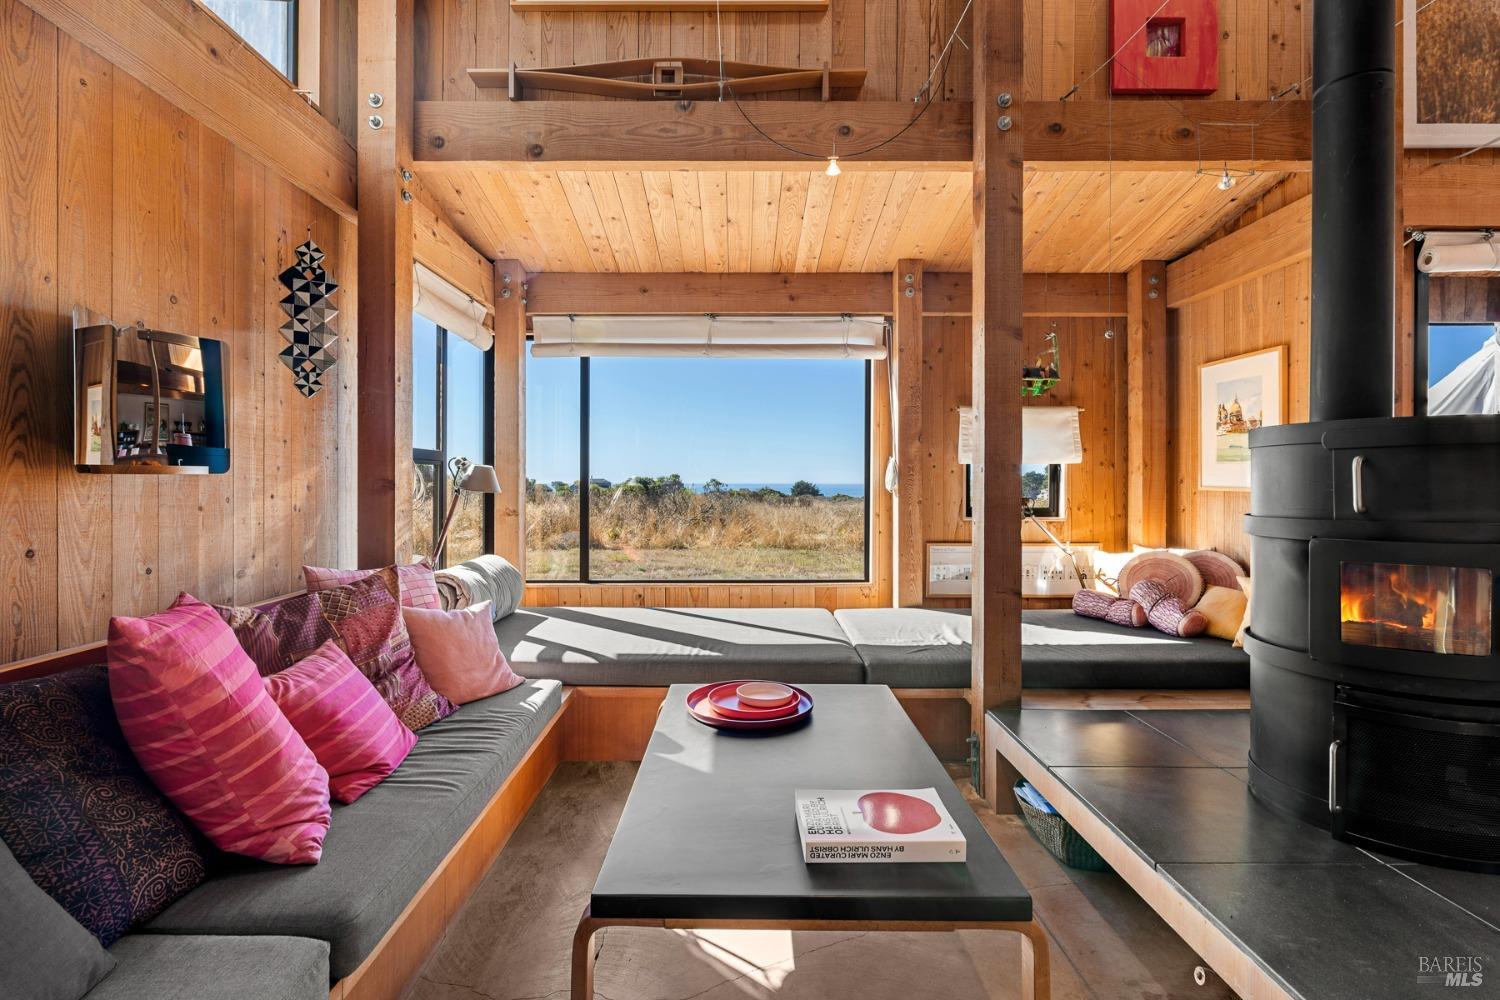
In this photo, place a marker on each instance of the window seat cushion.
(380, 849)
(929, 648)
(192, 967)
(654, 647)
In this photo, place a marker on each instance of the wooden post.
(906, 313)
(1146, 403)
(997, 310)
(510, 411)
(385, 282)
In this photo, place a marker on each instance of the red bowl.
(701, 708)
(727, 702)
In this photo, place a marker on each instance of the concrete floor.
(512, 940)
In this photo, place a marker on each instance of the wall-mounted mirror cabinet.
(148, 402)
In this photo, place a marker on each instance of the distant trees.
(803, 488)
(1033, 485)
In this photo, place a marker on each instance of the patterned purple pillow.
(78, 812)
(364, 618)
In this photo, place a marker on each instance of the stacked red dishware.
(749, 705)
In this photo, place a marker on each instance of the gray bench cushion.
(381, 848)
(1063, 650)
(910, 647)
(917, 647)
(654, 647)
(192, 967)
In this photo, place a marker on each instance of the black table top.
(709, 830)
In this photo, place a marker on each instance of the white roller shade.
(860, 337)
(454, 310)
(1049, 435)
(1459, 253)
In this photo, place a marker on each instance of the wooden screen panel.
(124, 206)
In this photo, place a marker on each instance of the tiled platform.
(1284, 904)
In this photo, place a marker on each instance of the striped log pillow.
(197, 715)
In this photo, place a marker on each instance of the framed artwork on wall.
(1235, 396)
(94, 424)
(950, 569)
(1164, 46)
(1450, 75)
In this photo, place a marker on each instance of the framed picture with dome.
(1235, 396)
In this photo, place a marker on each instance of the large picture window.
(698, 469)
(451, 418)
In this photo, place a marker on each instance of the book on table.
(876, 825)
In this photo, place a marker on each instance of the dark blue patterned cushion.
(78, 812)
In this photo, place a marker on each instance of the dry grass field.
(683, 535)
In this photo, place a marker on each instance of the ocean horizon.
(828, 489)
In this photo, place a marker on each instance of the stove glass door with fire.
(1416, 608)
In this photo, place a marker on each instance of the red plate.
(726, 702)
(700, 708)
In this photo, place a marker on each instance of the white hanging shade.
(1459, 253)
(861, 337)
(1472, 387)
(1050, 435)
(438, 299)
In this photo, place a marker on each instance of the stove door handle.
(1357, 484)
(1334, 803)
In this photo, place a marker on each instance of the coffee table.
(708, 838)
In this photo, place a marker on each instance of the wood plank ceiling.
(805, 221)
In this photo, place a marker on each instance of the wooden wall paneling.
(385, 280)
(510, 411)
(1146, 424)
(186, 54)
(436, 244)
(338, 59)
(907, 284)
(28, 330)
(1266, 245)
(85, 283)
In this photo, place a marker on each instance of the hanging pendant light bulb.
(833, 167)
(1226, 182)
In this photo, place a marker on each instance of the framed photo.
(1450, 75)
(94, 424)
(950, 568)
(1235, 396)
(161, 421)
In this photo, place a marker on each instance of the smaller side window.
(268, 26)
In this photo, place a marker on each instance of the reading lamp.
(467, 478)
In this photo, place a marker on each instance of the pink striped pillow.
(418, 582)
(197, 715)
(351, 730)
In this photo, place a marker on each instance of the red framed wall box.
(1176, 52)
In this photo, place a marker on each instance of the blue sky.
(1450, 344)
(465, 393)
(739, 421)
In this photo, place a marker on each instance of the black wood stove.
(1375, 674)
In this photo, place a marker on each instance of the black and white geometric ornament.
(309, 307)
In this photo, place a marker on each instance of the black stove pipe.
(1354, 214)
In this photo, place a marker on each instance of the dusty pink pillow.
(418, 582)
(458, 652)
(349, 727)
(196, 714)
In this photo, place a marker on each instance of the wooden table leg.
(583, 957)
(1036, 965)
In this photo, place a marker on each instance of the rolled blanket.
(1107, 607)
(1166, 613)
(487, 578)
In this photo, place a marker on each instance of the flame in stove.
(1392, 598)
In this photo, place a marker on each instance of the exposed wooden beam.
(1462, 194)
(999, 182)
(181, 50)
(1144, 135)
(907, 284)
(1146, 425)
(385, 287)
(642, 135)
(1261, 247)
(510, 411)
(438, 245)
(950, 293)
(1150, 134)
(559, 293)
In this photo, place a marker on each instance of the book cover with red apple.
(876, 825)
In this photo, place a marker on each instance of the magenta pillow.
(458, 652)
(197, 716)
(418, 582)
(364, 618)
(337, 711)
